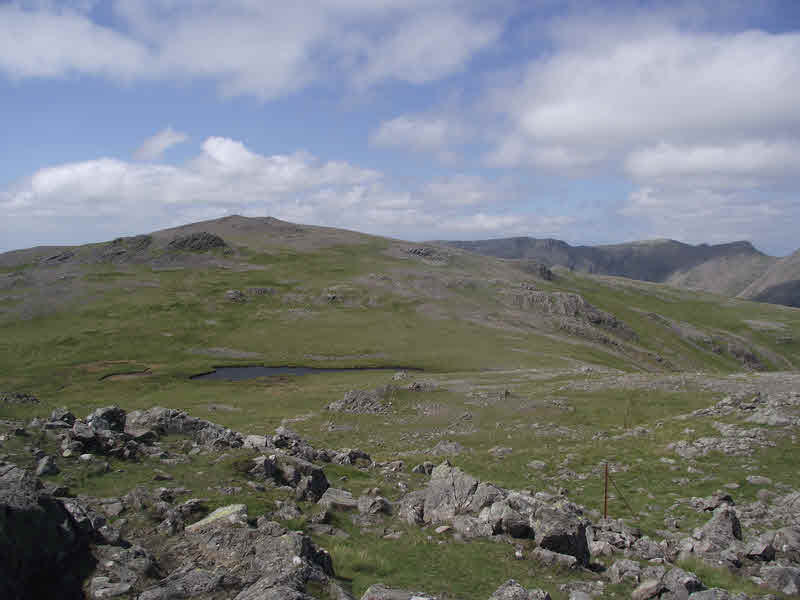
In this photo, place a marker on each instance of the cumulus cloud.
(752, 158)
(431, 133)
(247, 48)
(427, 47)
(615, 92)
(154, 147)
(49, 43)
(227, 177)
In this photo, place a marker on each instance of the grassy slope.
(124, 326)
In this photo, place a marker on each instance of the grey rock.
(649, 588)
(680, 584)
(761, 549)
(447, 494)
(712, 594)
(62, 414)
(646, 549)
(45, 555)
(47, 466)
(367, 402)
(308, 479)
(337, 499)
(549, 558)
(504, 519)
(425, 468)
(471, 527)
(787, 543)
(784, 579)
(624, 569)
(373, 505)
(446, 448)
(511, 590)
(255, 441)
(722, 530)
(562, 532)
(379, 591)
(107, 418)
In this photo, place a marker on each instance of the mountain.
(138, 420)
(734, 269)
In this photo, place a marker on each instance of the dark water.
(240, 373)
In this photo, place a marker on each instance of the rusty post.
(605, 494)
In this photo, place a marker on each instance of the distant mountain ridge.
(735, 269)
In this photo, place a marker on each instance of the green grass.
(464, 339)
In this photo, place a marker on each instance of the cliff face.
(733, 269)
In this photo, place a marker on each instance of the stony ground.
(173, 535)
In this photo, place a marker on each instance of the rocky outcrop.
(43, 551)
(365, 402)
(228, 556)
(479, 509)
(197, 242)
(570, 309)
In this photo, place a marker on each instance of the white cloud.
(45, 43)
(604, 93)
(750, 158)
(154, 147)
(228, 177)
(253, 48)
(463, 190)
(431, 133)
(426, 47)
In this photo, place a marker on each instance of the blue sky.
(419, 119)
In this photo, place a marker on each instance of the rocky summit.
(470, 427)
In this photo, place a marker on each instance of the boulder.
(62, 414)
(379, 591)
(711, 594)
(784, 579)
(44, 554)
(265, 562)
(47, 466)
(787, 543)
(366, 402)
(471, 527)
(504, 519)
(562, 532)
(107, 418)
(447, 494)
(649, 588)
(234, 514)
(511, 590)
(337, 499)
(308, 479)
(624, 570)
(373, 505)
(680, 584)
(255, 441)
(549, 558)
(722, 530)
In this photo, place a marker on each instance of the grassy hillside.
(563, 389)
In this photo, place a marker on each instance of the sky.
(416, 119)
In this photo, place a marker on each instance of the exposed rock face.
(18, 398)
(198, 242)
(720, 532)
(479, 509)
(372, 402)
(572, 307)
(307, 478)
(381, 592)
(44, 554)
(511, 590)
(265, 562)
(165, 421)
